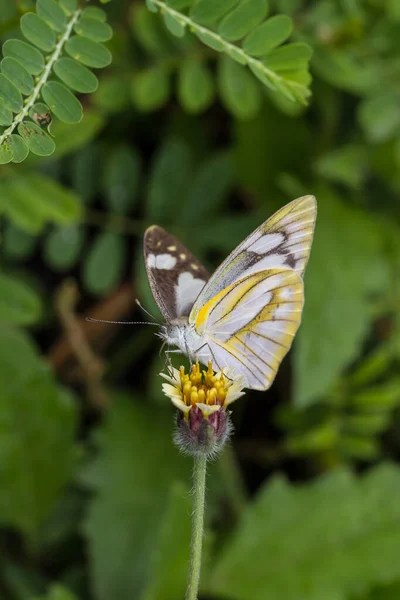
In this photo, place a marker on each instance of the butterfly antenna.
(91, 320)
(144, 310)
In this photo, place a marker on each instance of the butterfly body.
(246, 315)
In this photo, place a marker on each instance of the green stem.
(199, 492)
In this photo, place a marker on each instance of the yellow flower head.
(202, 397)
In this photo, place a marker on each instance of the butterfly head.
(180, 334)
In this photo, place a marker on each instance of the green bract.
(57, 26)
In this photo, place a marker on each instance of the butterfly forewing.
(250, 325)
(283, 241)
(176, 277)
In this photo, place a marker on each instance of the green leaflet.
(88, 52)
(10, 94)
(207, 12)
(75, 75)
(17, 74)
(24, 53)
(50, 11)
(62, 102)
(121, 179)
(17, 146)
(238, 90)
(195, 87)
(36, 31)
(37, 140)
(6, 115)
(151, 89)
(103, 264)
(243, 18)
(93, 29)
(267, 36)
(63, 246)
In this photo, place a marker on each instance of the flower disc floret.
(202, 397)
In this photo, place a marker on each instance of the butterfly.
(246, 314)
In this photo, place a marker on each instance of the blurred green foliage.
(94, 498)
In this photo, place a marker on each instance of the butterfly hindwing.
(250, 325)
(176, 277)
(283, 241)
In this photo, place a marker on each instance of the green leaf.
(379, 117)
(62, 247)
(151, 89)
(195, 86)
(16, 202)
(88, 52)
(169, 563)
(207, 12)
(69, 6)
(93, 29)
(94, 12)
(18, 148)
(239, 92)
(62, 102)
(36, 31)
(10, 94)
(169, 181)
(290, 57)
(75, 75)
(174, 24)
(104, 263)
(37, 140)
(28, 56)
(17, 348)
(19, 305)
(18, 244)
(135, 440)
(121, 178)
(209, 39)
(51, 12)
(58, 203)
(6, 116)
(17, 74)
(209, 190)
(354, 271)
(6, 154)
(38, 450)
(242, 19)
(360, 520)
(268, 35)
(32, 198)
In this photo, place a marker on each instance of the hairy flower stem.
(199, 491)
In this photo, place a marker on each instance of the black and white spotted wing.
(176, 277)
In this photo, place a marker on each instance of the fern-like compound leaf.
(36, 78)
(242, 31)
